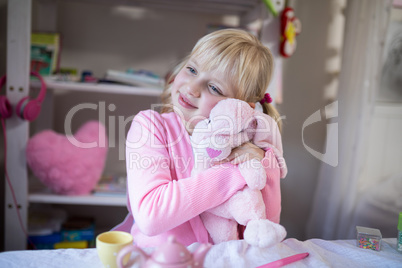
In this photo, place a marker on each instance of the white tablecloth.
(338, 253)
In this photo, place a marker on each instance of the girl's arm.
(272, 192)
(158, 201)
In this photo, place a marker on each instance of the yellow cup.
(108, 244)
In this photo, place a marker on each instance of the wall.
(305, 78)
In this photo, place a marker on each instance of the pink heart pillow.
(69, 165)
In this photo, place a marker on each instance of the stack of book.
(111, 186)
(72, 233)
(77, 233)
(136, 78)
(45, 53)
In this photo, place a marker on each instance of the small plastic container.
(368, 238)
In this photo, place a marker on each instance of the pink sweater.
(162, 196)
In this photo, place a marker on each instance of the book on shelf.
(136, 78)
(78, 229)
(50, 228)
(111, 186)
(45, 52)
(72, 244)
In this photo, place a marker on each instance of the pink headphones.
(26, 108)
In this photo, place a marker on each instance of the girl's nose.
(193, 89)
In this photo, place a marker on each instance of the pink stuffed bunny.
(233, 122)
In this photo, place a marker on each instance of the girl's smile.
(183, 101)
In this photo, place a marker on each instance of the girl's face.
(195, 91)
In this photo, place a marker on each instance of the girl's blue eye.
(215, 89)
(192, 70)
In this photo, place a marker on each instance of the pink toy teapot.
(171, 254)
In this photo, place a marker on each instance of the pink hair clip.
(267, 98)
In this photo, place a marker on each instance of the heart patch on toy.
(213, 153)
(69, 165)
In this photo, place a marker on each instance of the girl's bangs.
(215, 58)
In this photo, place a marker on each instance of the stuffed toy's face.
(230, 124)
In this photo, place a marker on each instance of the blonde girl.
(163, 198)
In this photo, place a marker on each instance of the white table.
(338, 253)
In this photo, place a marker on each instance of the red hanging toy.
(290, 27)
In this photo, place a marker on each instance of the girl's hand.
(243, 153)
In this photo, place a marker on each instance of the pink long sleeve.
(163, 198)
(272, 191)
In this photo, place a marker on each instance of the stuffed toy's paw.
(264, 233)
(254, 174)
(69, 165)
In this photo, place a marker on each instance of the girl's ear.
(252, 104)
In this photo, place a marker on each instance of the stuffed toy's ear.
(230, 116)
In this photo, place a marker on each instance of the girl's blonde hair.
(246, 61)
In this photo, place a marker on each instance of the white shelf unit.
(100, 88)
(17, 133)
(19, 17)
(224, 7)
(92, 200)
(42, 195)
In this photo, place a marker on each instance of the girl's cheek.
(180, 77)
(206, 110)
(176, 84)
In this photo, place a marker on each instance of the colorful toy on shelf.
(290, 28)
(274, 6)
(69, 165)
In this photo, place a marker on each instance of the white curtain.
(336, 191)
